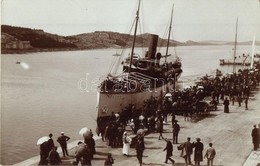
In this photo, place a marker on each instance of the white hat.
(62, 132)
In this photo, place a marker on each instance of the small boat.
(18, 62)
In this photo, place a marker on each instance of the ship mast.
(169, 35)
(234, 65)
(252, 56)
(133, 46)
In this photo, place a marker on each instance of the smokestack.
(152, 46)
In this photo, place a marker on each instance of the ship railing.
(145, 76)
(137, 77)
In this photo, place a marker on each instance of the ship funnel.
(152, 46)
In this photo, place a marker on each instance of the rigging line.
(164, 35)
(121, 54)
(111, 66)
(173, 39)
(169, 35)
(133, 45)
(142, 37)
(234, 66)
(142, 29)
(123, 50)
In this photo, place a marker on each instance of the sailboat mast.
(235, 51)
(253, 52)
(133, 46)
(169, 35)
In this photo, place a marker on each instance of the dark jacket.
(254, 135)
(109, 162)
(198, 151)
(175, 128)
(140, 146)
(63, 140)
(168, 148)
(50, 144)
(54, 158)
(186, 149)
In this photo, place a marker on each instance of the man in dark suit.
(63, 143)
(186, 151)
(169, 150)
(175, 131)
(226, 105)
(139, 149)
(254, 135)
(198, 151)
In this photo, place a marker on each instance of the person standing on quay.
(254, 135)
(239, 100)
(159, 125)
(198, 155)
(258, 132)
(63, 143)
(43, 154)
(54, 158)
(126, 144)
(50, 143)
(226, 105)
(175, 132)
(109, 161)
(186, 151)
(246, 103)
(169, 150)
(139, 150)
(210, 155)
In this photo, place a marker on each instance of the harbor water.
(50, 92)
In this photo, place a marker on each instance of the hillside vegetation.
(20, 40)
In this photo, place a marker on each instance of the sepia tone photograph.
(130, 82)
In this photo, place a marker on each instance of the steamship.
(142, 78)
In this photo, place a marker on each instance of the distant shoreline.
(35, 50)
(20, 40)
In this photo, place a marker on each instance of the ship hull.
(116, 102)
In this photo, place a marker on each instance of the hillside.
(25, 39)
(20, 40)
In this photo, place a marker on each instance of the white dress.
(126, 145)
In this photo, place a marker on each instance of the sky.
(197, 20)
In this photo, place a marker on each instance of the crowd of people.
(188, 102)
(48, 151)
(187, 150)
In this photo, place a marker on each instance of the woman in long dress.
(126, 144)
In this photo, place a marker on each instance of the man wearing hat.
(175, 131)
(169, 149)
(254, 135)
(186, 151)
(63, 143)
(198, 151)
